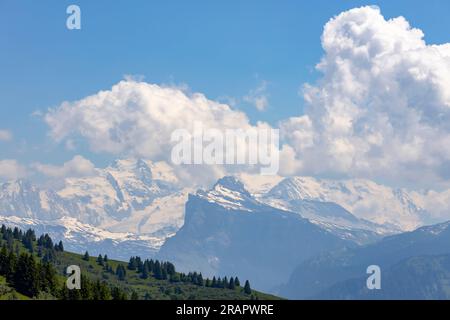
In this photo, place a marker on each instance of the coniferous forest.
(33, 267)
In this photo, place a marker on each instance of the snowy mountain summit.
(129, 197)
(393, 208)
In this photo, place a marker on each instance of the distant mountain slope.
(333, 217)
(126, 197)
(316, 275)
(226, 230)
(79, 237)
(395, 209)
(416, 278)
(23, 199)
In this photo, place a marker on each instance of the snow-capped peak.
(364, 198)
(136, 167)
(229, 193)
(231, 183)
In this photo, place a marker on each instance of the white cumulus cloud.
(78, 166)
(11, 170)
(5, 135)
(382, 107)
(138, 119)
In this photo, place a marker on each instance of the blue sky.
(220, 48)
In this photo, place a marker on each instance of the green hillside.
(416, 278)
(8, 293)
(32, 267)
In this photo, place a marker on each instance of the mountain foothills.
(299, 237)
(34, 268)
(414, 265)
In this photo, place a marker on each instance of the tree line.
(27, 264)
(37, 277)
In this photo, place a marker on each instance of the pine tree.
(200, 281)
(4, 262)
(163, 274)
(121, 272)
(139, 264)
(147, 296)
(132, 265)
(157, 270)
(224, 283)
(86, 256)
(26, 280)
(232, 285)
(16, 233)
(134, 296)
(247, 288)
(47, 281)
(174, 277)
(170, 268)
(151, 266)
(237, 283)
(100, 260)
(145, 271)
(86, 291)
(101, 291)
(10, 266)
(118, 294)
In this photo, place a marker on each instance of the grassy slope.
(157, 289)
(8, 293)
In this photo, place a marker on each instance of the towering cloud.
(381, 110)
(382, 107)
(138, 119)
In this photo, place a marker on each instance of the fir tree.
(134, 296)
(26, 280)
(132, 265)
(157, 270)
(60, 246)
(145, 271)
(121, 272)
(247, 288)
(147, 296)
(200, 281)
(224, 283)
(232, 285)
(118, 294)
(86, 256)
(100, 260)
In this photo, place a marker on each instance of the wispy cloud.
(11, 170)
(5, 135)
(258, 97)
(77, 167)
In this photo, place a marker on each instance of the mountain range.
(227, 230)
(268, 230)
(126, 205)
